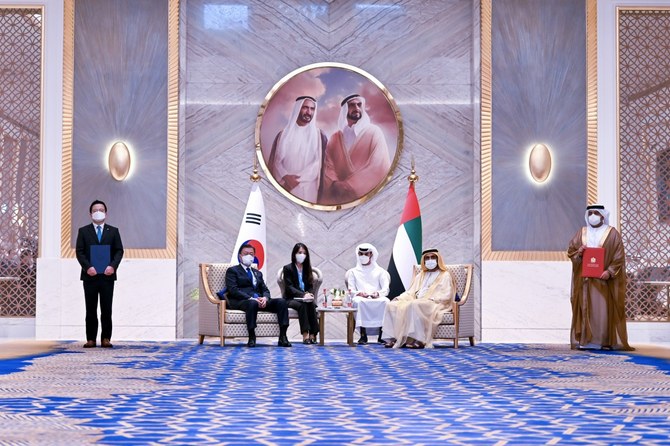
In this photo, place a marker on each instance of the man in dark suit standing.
(248, 292)
(104, 240)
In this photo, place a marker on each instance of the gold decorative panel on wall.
(644, 158)
(20, 142)
(121, 70)
(537, 92)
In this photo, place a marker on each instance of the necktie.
(99, 232)
(251, 277)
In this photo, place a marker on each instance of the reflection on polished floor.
(180, 392)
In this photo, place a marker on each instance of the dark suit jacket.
(239, 287)
(87, 237)
(292, 284)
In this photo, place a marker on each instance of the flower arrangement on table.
(337, 297)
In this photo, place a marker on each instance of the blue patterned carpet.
(182, 393)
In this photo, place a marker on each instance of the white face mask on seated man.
(364, 260)
(247, 260)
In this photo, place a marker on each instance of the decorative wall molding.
(170, 249)
(488, 253)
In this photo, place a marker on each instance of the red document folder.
(593, 262)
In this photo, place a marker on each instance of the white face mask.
(300, 258)
(594, 219)
(98, 216)
(247, 260)
(431, 264)
(364, 259)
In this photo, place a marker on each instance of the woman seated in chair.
(412, 318)
(299, 283)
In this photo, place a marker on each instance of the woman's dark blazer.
(292, 285)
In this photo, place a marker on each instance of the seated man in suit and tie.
(248, 292)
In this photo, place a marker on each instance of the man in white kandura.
(296, 159)
(412, 318)
(369, 283)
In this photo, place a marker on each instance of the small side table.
(350, 322)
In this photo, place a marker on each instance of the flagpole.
(413, 177)
(254, 176)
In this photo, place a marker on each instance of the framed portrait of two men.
(329, 136)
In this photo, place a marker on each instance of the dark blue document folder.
(100, 257)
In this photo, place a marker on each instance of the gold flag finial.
(254, 176)
(413, 177)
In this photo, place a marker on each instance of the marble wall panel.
(143, 308)
(527, 303)
(422, 51)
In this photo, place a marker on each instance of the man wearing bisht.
(411, 319)
(357, 156)
(598, 303)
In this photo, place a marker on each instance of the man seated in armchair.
(410, 320)
(369, 283)
(248, 292)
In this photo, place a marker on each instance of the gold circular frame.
(347, 71)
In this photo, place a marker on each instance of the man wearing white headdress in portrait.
(598, 303)
(369, 283)
(357, 156)
(296, 159)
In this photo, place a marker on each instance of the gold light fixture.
(118, 161)
(539, 163)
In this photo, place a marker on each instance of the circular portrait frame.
(305, 143)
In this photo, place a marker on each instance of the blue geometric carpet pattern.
(182, 393)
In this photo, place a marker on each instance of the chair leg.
(223, 341)
(201, 340)
(455, 342)
(472, 341)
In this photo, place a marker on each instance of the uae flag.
(252, 229)
(407, 246)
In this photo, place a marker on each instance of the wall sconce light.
(539, 163)
(118, 162)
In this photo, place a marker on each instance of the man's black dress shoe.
(283, 342)
(251, 343)
(363, 340)
(306, 341)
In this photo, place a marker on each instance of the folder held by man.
(593, 262)
(100, 257)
